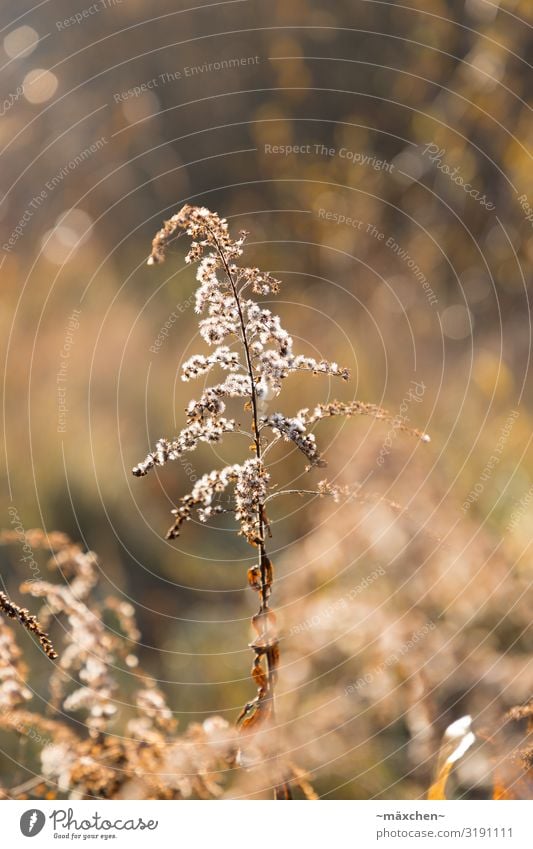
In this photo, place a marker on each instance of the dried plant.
(125, 743)
(29, 622)
(513, 754)
(250, 344)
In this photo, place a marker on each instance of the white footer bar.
(267, 825)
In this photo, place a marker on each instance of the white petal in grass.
(459, 731)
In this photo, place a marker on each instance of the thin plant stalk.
(268, 645)
(257, 378)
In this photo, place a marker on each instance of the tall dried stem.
(233, 314)
(266, 645)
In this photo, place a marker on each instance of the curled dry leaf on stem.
(250, 343)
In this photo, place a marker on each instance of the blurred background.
(379, 155)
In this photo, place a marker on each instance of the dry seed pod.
(29, 622)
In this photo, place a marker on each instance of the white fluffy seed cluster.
(198, 364)
(250, 480)
(251, 344)
(250, 494)
(13, 690)
(229, 315)
(211, 430)
(89, 652)
(211, 403)
(294, 430)
(359, 408)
